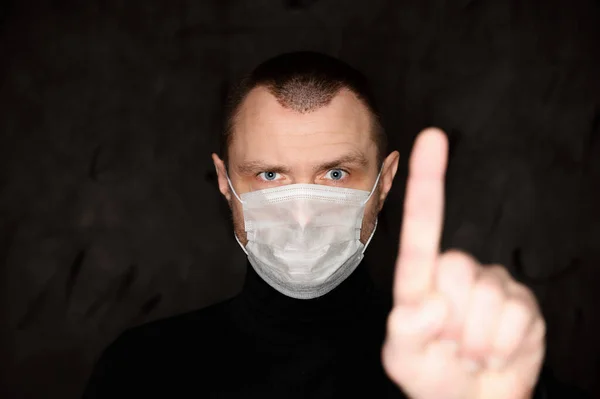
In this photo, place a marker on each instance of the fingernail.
(495, 363)
(471, 365)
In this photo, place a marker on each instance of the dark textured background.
(109, 210)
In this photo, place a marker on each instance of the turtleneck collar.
(351, 296)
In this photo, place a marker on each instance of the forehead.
(267, 131)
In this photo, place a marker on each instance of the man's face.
(333, 145)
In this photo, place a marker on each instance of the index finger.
(423, 217)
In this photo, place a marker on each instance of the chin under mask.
(304, 239)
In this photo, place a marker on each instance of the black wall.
(109, 211)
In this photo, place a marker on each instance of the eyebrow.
(355, 159)
(254, 167)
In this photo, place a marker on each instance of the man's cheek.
(238, 223)
(368, 223)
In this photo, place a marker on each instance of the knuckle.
(456, 256)
(500, 271)
(525, 295)
(456, 265)
(525, 292)
(395, 319)
(539, 329)
(491, 287)
(518, 309)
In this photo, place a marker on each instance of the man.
(305, 172)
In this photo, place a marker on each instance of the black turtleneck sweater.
(259, 344)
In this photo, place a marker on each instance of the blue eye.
(336, 174)
(268, 176)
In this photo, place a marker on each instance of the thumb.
(411, 327)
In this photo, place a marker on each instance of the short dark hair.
(303, 81)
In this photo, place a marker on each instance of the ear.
(222, 177)
(390, 167)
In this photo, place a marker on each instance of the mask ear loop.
(231, 186)
(240, 244)
(239, 199)
(374, 185)
(367, 200)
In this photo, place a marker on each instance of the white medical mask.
(304, 239)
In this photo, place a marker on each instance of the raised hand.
(458, 329)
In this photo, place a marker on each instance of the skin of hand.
(457, 329)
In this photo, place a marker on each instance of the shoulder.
(181, 326)
(155, 348)
(170, 330)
